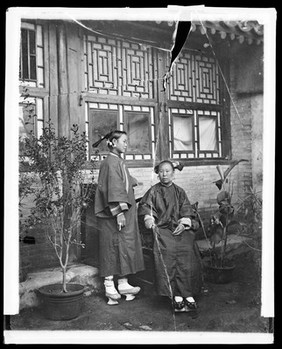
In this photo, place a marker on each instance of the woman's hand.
(149, 222)
(121, 220)
(179, 229)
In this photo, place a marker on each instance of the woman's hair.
(173, 165)
(109, 137)
(114, 135)
(157, 168)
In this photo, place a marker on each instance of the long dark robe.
(120, 252)
(177, 259)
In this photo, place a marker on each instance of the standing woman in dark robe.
(120, 252)
(166, 210)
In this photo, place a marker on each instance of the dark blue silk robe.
(177, 259)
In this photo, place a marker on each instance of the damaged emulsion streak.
(180, 35)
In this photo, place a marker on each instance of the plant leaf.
(232, 165)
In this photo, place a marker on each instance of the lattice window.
(31, 118)
(195, 78)
(119, 68)
(194, 134)
(194, 90)
(31, 55)
(137, 121)
(194, 98)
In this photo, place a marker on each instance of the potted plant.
(56, 167)
(219, 269)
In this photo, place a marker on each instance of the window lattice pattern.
(119, 68)
(200, 149)
(31, 117)
(195, 78)
(149, 112)
(32, 55)
(123, 116)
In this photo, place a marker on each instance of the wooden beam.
(63, 98)
(53, 75)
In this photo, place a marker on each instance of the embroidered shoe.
(111, 293)
(127, 290)
(178, 304)
(190, 304)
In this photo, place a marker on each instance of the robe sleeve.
(146, 204)
(118, 207)
(112, 188)
(186, 211)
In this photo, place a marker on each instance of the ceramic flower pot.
(58, 305)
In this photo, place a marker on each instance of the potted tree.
(219, 269)
(56, 167)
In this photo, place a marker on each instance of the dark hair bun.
(175, 165)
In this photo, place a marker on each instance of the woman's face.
(166, 173)
(120, 144)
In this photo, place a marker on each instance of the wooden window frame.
(96, 102)
(40, 49)
(29, 72)
(162, 104)
(38, 92)
(216, 151)
(126, 120)
(223, 107)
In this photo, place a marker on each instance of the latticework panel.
(32, 55)
(194, 78)
(31, 116)
(137, 121)
(199, 136)
(119, 68)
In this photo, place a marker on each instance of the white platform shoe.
(110, 291)
(127, 290)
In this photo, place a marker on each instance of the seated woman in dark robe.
(166, 210)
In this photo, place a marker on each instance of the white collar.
(111, 153)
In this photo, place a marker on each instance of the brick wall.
(257, 141)
(40, 253)
(247, 113)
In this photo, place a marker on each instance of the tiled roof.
(243, 31)
(251, 31)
